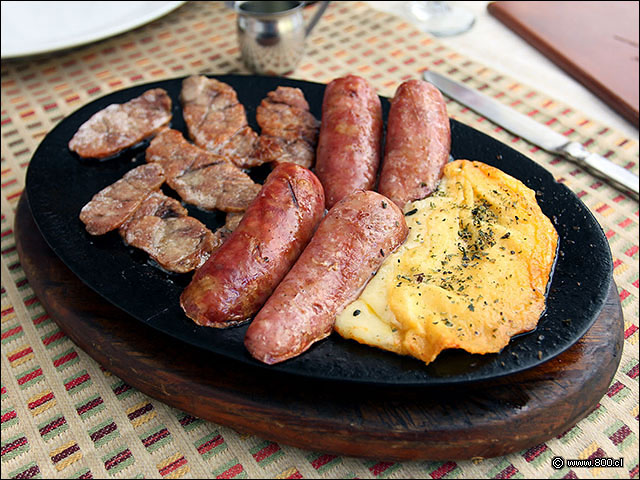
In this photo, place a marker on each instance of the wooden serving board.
(595, 42)
(478, 420)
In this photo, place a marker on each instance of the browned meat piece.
(285, 113)
(232, 221)
(289, 131)
(201, 178)
(179, 244)
(216, 120)
(156, 204)
(162, 228)
(176, 155)
(120, 126)
(240, 149)
(115, 204)
(220, 186)
(211, 111)
(279, 150)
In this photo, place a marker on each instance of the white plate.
(30, 28)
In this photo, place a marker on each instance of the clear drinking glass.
(441, 19)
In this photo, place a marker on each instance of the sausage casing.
(418, 143)
(237, 279)
(347, 249)
(350, 140)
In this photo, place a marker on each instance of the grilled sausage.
(417, 144)
(350, 141)
(238, 278)
(347, 249)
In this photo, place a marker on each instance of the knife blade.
(533, 132)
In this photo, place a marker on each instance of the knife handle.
(600, 166)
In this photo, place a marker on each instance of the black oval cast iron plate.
(59, 184)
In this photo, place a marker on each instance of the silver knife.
(533, 131)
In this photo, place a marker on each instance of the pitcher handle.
(312, 23)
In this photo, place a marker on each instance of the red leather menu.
(595, 42)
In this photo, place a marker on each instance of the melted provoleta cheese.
(472, 273)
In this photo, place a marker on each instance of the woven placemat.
(64, 416)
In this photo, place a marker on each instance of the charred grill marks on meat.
(115, 204)
(162, 228)
(120, 126)
(289, 131)
(217, 121)
(201, 178)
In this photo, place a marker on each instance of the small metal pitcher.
(272, 34)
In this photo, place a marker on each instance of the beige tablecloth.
(64, 416)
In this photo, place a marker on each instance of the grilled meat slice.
(162, 228)
(217, 121)
(280, 150)
(211, 111)
(156, 204)
(289, 131)
(177, 244)
(285, 113)
(220, 186)
(241, 149)
(115, 204)
(176, 155)
(120, 126)
(201, 178)
(232, 221)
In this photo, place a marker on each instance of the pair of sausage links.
(351, 243)
(350, 139)
(418, 143)
(239, 277)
